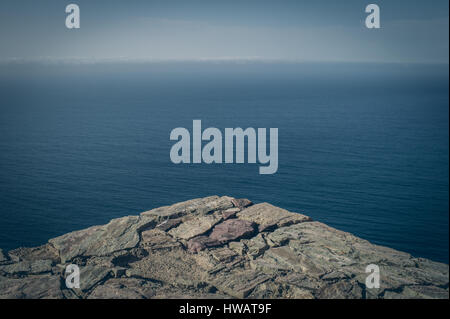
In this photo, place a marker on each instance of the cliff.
(217, 247)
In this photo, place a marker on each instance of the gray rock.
(238, 284)
(175, 267)
(46, 251)
(342, 289)
(268, 216)
(256, 246)
(158, 240)
(418, 292)
(169, 224)
(241, 202)
(224, 255)
(27, 267)
(239, 247)
(199, 206)
(119, 234)
(32, 287)
(2, 256)
(124, 288)
(200, 243)
(230, 212)
(92, 275)
(217, 247)
(272, 289)
(195, 226)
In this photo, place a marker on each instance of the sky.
(412, 31)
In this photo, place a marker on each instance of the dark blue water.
(363, 148)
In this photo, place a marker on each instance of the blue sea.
(362, 147)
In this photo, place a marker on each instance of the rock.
(342, 289)
(285, 259)
(268, 216)
(158, 240)
(46, 251)
(195, 226)
(187, 294)
(418, 292)
(32, 287)
(103, 262)
(239, 284)
(69, 294)
(217, 247)
(302, 281)
(293, 260)
(238, 247)
(206, 261)
(126, 257)
(232, 229)
(119, 234)
(169, 224)
(224, 255)
(282, 236)
(200, 243)
(119, 272)
(27, 267)
(124, 288)
(230, 212)
(272, 289)
(174, 267)
(92, 275)
(199, 206)
(256, 246)
(241, 202)
(222, 233)
(2, 256)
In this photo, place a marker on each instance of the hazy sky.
(315, 30)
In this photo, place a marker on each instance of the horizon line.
(48, 60)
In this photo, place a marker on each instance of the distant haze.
(414, 31)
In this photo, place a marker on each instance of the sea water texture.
(362, 147)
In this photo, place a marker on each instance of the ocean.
(362, 147)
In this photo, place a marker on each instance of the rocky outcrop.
(2, 256)
(217, 247)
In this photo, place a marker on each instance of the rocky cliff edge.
(217, 247)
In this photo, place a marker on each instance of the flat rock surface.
(217, 247)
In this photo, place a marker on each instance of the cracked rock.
(2, 256)
(217, 247)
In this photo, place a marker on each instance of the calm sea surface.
(363, 148)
